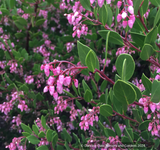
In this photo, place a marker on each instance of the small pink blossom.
(76, 83)
(45, 89)
(119, 3)
(119, 17)
(124, 15)
(131, 10)
(130, 23)
(46, 70)
(124, 23)
(55, 95)
(100, 3)
(51, 90)
(67, 81)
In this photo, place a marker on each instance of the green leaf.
(43, 121)
(74, 88)
(67, 137)
(42, 147)
(114, 37)
(86, 4)
(24, 88)
(7, 79)
(147, 83)
(4, 11)
(124, 70)
(39, 97)
(35, 129)
(106, 110)
(157, 18)
(103, 13)
(54, 140)
(49, 135)
(146, 52)
(19, 25)
(82, 51)
(116, 105)
(103, 85)
(92, 61)
(22, 21)
(67, 146)
(107, 37)
(68, 93)
(88, 96)
(155, 2)
(144, 7)
(109, 132)
(145, 135)
(130, 66)
(136, 4)
(138, 38)
(39, 22)
(93, 85)
(129, 133)
(26, 128)
(41, 134)
(109, 15)
(155, 93)
(85, 86)
(19, 35)
(26, 134)
(138, 92)
(124, 92)
(144, 125)
(151, 36)
(117, 129)
(12, 3)
(33, 139)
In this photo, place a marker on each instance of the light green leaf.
(147, 83)
(155, 2)
(26, 128)
(146, 52)
(155, 92)
(32, 139)
(88, 96)
(157, 18)
(42, 147)
(39, 22)
(86, 4)
(103, 14)
(92, 61)
(106, 110)
(124, 92)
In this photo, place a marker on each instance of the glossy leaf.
(67, 136)
(106, 110)
(43, 121)
(32, 139)
(41, 134)
(107, 38)
(114, 37)
(103, 14)
(130, 66)
(49, 135)
(39, 22)
(155, 93)
(151, 36)
(147, 83)
(88, 96)
(35, 129)
(144, 125)
(155, 2)
(117, 129)
(86, 4)
(12, 3)
(157, 18)
(146, 52)
(42, 147)
(136, 4)
(92, 61)
(138, 38)
(124, 92)
(82, 52)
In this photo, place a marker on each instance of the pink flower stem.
(102, 73)
(140, 18)
(125, 117)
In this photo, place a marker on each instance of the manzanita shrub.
(80, 74)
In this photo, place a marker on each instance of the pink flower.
(124, 23)
(145, 110)
(67, 81)
(130, 23)
(130, 2)
(150, 127)
(61, 79)
(46, 70)
(92, 1)
(131, 10)
(108, 1)
(50, 80)
(119, 3)
(55, 95)
(132, 17)
(76, 83)
(51, 90)
(59, 87)
(45, 89)
(152, 107)
(100, 3)
(124, 15)
(119, 17)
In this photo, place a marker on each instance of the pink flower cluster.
(58, 122)
(16, 144)
(73, 114)
(101, 2)
(124, 14)
(123, 50)
(13, 65)
(89, 118)
(61, 105)
(29, 79)
(154, 127)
